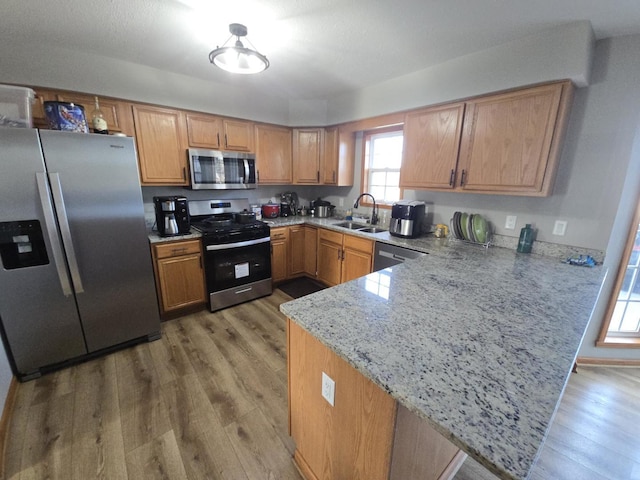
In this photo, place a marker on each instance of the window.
(382, 160)
(622, 321)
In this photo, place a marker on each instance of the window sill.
(619, 342)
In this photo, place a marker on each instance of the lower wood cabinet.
(342, 257)
(179, 274)
(365, 434)
(279, 253)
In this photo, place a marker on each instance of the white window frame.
(367, 172)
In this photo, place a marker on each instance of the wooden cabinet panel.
(273, 154)
(179, 274)
(329, 167)
(329, 257)
(162, 144)
(431, 141)
(279, 253)
(296, 251)
(342, 257)
(350, 440)
(510, 141)
(310, 250)
(111, 109)
(307, 152)
(203, 130)
(238, 135)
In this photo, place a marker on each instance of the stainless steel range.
(237, 251)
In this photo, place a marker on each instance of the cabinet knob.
(462, 177)
(452, 177)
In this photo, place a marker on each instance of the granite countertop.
(478, 342)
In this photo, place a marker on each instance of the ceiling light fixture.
(238, 58)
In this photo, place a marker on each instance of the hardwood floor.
(209, 401)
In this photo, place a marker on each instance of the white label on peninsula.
(242, 270)
(328, 388)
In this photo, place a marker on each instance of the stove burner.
(217, 221)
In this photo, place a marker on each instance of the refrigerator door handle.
(56, 189)
(52, 230)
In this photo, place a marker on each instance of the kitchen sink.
(350, 225)
(360, 227)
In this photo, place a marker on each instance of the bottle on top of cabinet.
(98, 123)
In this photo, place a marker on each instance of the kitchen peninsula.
(475, 343)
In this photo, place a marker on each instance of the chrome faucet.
(374, 213)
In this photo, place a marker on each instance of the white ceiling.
(317, 48)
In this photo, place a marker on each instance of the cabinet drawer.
(357, 243)
(279, 233)
(174, 249)
(330, 236)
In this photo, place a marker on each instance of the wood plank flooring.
(209, 401)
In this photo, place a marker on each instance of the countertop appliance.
(172, 215)
(386, 255)
(219, 170)
(237, 255)
(406, 218)
(77, 277)
(288, 204)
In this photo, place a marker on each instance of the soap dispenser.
(526, 239)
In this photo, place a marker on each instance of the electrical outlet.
(341, 202)
(328, 388)
(560, 227)
(510, 224)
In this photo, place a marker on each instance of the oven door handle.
(225, 246)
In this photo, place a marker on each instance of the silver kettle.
(170, 224)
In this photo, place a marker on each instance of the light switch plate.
(510, 224)
(328, 388)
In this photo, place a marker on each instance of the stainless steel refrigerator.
(76, 277)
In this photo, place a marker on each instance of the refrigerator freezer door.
(37, 309)
(96, 190)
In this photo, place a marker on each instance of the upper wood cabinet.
(330, 157)
(273, 154)
(308, 149)
(204, 130)
(162, 142)
(117, 113)
(210, 131)
(431, 141)
(511, 142)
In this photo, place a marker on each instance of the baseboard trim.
(303, 466)
(608, 362)
(7, 412)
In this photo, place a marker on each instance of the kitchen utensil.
(324, 211)
(303, 212)
(270, 210)
(245, 217)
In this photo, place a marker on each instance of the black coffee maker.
(172, 215)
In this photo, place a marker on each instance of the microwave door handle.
(52, 231)
(58, 199)
(246, 170)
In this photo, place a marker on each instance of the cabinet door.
(279, 253)
(431, 140)
(181, 281)
(238, 135)
(111, 109)
(329, 257)
(310, 251)
(203, 130)
(307, 151)
(297, 253)
(507, 140)
(357, 257)
(161, 140)
(329, 169)
(273, 154)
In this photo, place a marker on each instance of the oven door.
(237, 272)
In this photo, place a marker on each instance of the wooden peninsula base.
(366, 434)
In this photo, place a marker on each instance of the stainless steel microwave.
(219, 170)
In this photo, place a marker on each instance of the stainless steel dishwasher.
(386, 255)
